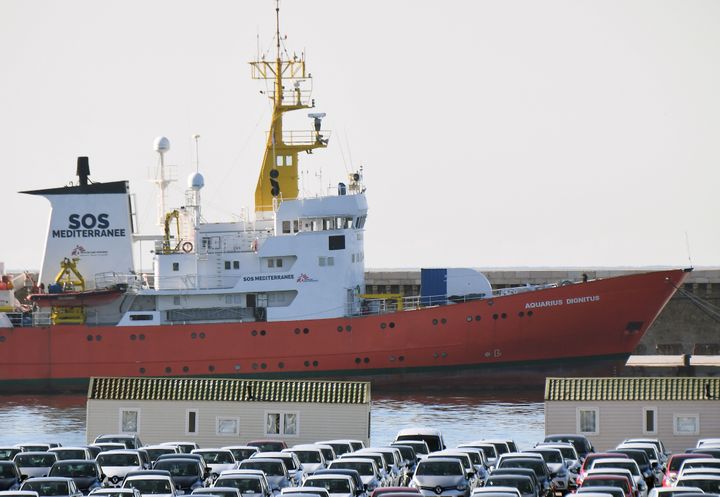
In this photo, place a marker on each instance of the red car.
(673, 466)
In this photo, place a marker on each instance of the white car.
(155, 485)
(218, 460)
(431, 436)
(304, 491)
(116, 464)
(710, 484)
(672, 491)
(310, 456)
(34, 464)
(54, 486)
(336, 485)
(369, 472)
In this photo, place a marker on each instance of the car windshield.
(702, 464)
(150, 486)
(525, 486)
(308, 456)
(217, 457)
(178, 468)
(270, 468)
(118, 460)
(245, 485)
(127, 442)
(7, 471)
(537, 466)
(332, 486)
(70, 454)
(707, 485)
(489, 451)
(74, 470)
(155, 453)
(551, 456)
(630, 465)
(419, 447)
(607, 482)
(364, 468)
(432, 441)
(439, 468)
(242, 454)
(45, 488)
(7, 454)
(289, 462)
(474, 457)
(35, 460)
(580, 445)
(676, 462)
(268, 446)
(567, 452)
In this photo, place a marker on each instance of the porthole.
(315, 363)
(392, 358)
(530, 313)
(98, 337)
(133, 337)
(383, 326)
(263, 366)
(142, 370)
(193, 335)
(211, 368)
(2, 338)
(348, 328)
(237, 367)
(495, 316)
(306, 331)
(254, 365)
(90, 338)
(366, 360)
(185, 369)
(263, 332)
(436, 355)
(392, 324)
(168, 369)
(281, 365)
(468, 319)
(141, 337)
(307, 363)
(297, 331)
(253, 333)
(478, 317)
(340, 328)
(521, 314)
(435, 321)
(444, 354)
(443, 320)
(401, 358)
(503, 315)
(201, 335)
(358, 360)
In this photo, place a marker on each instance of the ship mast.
(278, 178)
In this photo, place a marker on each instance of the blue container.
(433, 286)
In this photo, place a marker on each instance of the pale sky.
(492, 133)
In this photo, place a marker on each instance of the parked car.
(537, 464)
(622, 482)
(115, 464)
(187, 474)
(352, 473)
(34, 464)
(115, 492)
(557, 466)
(626, 473)
(409, 456)
(34, 447)
(662, 451)
(523, 483)
(292, 463)
(652, 475)
(155, 485)
(464, 458)
(518, 471)
(441, 476)
(623, 463)
(10, 476)
(386, 479)
(52, 487)
(18, 493)
(183, 447)
(86, 474)
(707, 483)
(129, 441)
(328, 452)
(488, 449)
(245, 481)
(154, 451)
(594, 490)
(385, 491)
(673, 466)
(108, 446)
(580, 442)
(310, 456)
(336, 485)
(672, 491)
(366, 467)
(340, 447)
(217, 460)
(588, 461)
(701, 462)
(274, 469)
(432, 437)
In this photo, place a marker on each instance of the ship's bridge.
(321, 214)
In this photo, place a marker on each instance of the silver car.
(34, 464)
(441, 476)
(52, 487)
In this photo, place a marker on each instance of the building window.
(227, 264)
(286, 226)
(191, 424)
(278, 263)
(271, 262)
(322, 261)
(227, 426)
(686, 424)
(587, 421)
(281, 423)
(129, 420)
(649, 420)
(236, 264)
(331, 261)
(176, 266)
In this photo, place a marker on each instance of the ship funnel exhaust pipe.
(83, 170)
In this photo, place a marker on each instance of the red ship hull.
(513, 340)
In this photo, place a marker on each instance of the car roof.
(420, 430)
(148, 477)
(327, 476)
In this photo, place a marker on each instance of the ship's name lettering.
(570, 301)
(266, 277)
(96, 233)
(88, 221)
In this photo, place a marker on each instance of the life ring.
(187, 247)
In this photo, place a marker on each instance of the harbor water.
(520, 416)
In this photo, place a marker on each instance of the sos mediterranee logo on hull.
(89, 226)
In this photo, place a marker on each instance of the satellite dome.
(161, 144)
(196, 181)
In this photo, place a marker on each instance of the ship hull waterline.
(510, 341)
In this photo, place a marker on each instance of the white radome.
(196, 181)
(161, 144)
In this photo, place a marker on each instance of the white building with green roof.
(219, 412)
(676, 410)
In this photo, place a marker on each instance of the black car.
(580, 442)
(10, 477)
(86, 474)
(536, 464)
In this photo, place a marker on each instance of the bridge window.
(286, 227)
(236, 264)
(176, 266)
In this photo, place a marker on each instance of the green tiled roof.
(229, 390)
(599, 389)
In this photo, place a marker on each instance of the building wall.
(165, 421)
(619, 420)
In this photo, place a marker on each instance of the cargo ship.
(282, 293)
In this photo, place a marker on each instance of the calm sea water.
(520, 416)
